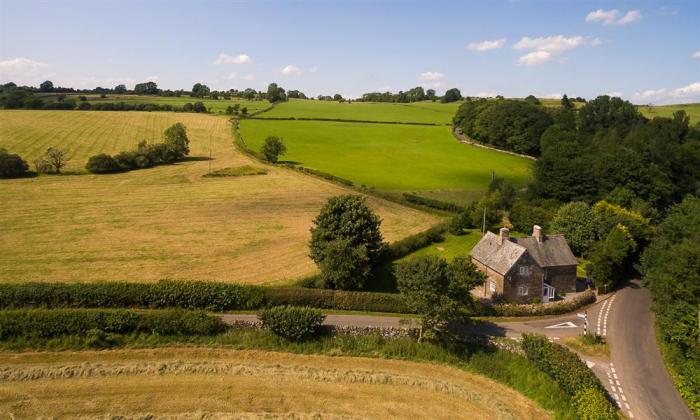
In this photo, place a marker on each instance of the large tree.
(147, 88)
(199, 90)
(176, 139)
(275, 93)
(607, 112)
(577, 222)
(452, 95)
(46, 86)
(438, 292)
(273, 148)
(347, 231)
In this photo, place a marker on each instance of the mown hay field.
(163, 222)
(213, 105)
(416, 112)
(224, 383)
(391, 157)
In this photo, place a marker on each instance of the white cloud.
(651, 94)
(313, 69)
(534, 58)
(24, 71)
(606, 16)
(224, 58)
(696, 54)
(432, 76)
(615, 94)
(486, 45)
(629, 17)
(609, 17)
(232, 75)
(553, 44)
(485, 95)
(291, 70)
(690, 91)
(249, 77)
(596, 42)
(552, 96)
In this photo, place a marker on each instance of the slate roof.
(499, 258)
(553, 251)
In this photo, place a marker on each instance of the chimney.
(503, 235)
(537, 233)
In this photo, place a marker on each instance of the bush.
(44, 323)
(335, 299)
(572, 374)
(292, 323)
(102, 164)
(593, 405)
(432, 203)
(405, 246)
(11, 165)
(539, 309)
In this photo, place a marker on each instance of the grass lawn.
(452, 246)
(163, 222)
(417, 112)
(213, 105)
(393, 158)
(693, 111)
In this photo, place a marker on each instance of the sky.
(643, 51)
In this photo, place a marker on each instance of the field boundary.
(466, 140)
(345, 120)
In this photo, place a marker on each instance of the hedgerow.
(572, 374)
(50, 323)
(432, 203)
(292, 322)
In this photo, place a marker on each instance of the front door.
(547, 293)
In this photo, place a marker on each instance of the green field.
(213, 105)
(417, 112)
(391, 157)
(693, 111)
(164, 222)
(452, 246)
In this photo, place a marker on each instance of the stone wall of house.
(491, 276)
(562, 278)
(531, 281)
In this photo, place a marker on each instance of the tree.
(46, 86)
(11, 165)
(275, 93)
(438, 292)
(102, 164)
(610, 258)
(338, 97)
(147, 88)
(566, 102)
(199, 90)
(347, 231)
(607, 112)
(176, 139)
(199, 107)
(452, 95)
(273, 148)
(120, 89)
(344, 266)
(577, 222)
(57, 158)
(531, 99)
(430, 94)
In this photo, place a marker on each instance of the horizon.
(520, 48)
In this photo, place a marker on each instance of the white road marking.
(590, 364)
(615, 375)
(619, 389)
(627, 405)
(624, 398)
(617, 383)
(629, 412)
(567, 324)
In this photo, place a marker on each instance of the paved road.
(635, 375)
(637, 360)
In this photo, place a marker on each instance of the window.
(523, 270)
(493, 286)
(522, 290)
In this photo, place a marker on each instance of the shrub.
(552, 308)
(11, 165)
(102, 164)
(572, 374)
(432, 203)
(292, 323)
(593, 405)
(405, 246)
(335, 299)
(273, 148)
(45, 323)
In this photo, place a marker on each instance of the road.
(634, 375)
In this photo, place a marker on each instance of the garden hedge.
(572, 374)
(49, 323)
(292, 322)
(219, 297)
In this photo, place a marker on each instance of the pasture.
(391, 157)
(163, 222)
(213, 105)
(417, 112)
(223, 383)
(666, 111)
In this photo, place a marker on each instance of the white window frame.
(523, 270)
(522, 290)
(493, 286)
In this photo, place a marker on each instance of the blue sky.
(645, 51)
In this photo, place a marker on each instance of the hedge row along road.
(635, 376)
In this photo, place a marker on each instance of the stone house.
(527, 269)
